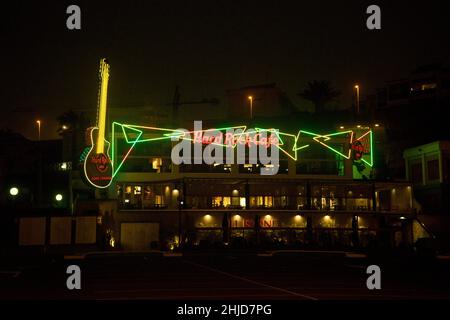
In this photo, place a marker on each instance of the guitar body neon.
(97, 165)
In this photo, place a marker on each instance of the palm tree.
(319, 92)
(68, 121)
(72, 127)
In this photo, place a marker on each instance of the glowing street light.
(14, 191)
(357, 98)
(58, 197)
(251, 106)
(39, 129)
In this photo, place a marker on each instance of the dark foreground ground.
(231, 275)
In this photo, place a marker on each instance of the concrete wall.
(61, 230)
(86, 231)
(138, 236)
(32, 231)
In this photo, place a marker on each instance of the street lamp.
(176, 193)
(39, 129)
(58, 197)
(14, 191)
(357, 98)
(251, 106)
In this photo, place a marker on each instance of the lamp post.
(39, 164)
(178, 202)
(14, 192)
(251, 106)
(39, 129)
(357, 98)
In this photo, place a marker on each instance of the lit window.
(137, 189)
(156, 163)
(428, 86)
(260, 201)
(217, 202)
(226, 201)
(147, 192)
(159, 200)
(221, 202)
(119, 190)
(242, 202)
(268, 201)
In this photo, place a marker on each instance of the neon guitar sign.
(98, 169)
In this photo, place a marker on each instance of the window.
(221, 202)
(119, 191)
(159, 200)
(261, 201)
(137, 190)
(416, 172)
(156, 164)
(428, 86)
(147, 193)
(301, 202)
(242, 202)
(433, 170)
(268, 201)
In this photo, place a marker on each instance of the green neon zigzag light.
(169, 133)
(371, 147)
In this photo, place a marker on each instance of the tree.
(72, 127)
(68, 121)
(319, 92)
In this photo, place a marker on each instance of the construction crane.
(176, 103)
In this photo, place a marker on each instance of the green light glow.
(327, 138)
(116, 167)
(129, 130)
(279, 146)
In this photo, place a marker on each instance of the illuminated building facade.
(322, 195)
(428, 167)
(317, 189)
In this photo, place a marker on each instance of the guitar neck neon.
(104, 74)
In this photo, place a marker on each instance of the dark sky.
(206, 47)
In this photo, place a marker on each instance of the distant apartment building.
(411, 111)
(427, 84)
(428, 168)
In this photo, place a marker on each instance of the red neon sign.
(231, 139)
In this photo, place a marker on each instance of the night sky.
(206, 47)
